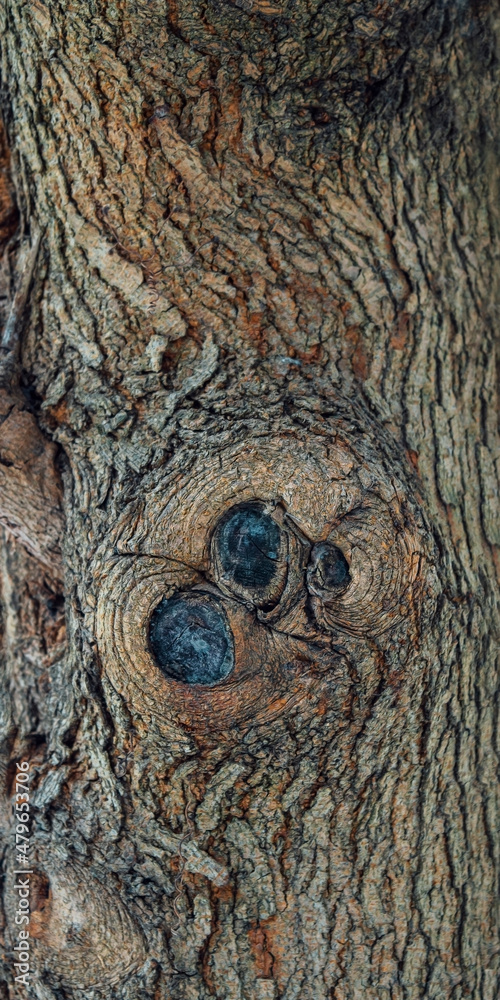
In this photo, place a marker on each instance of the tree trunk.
(261, 240)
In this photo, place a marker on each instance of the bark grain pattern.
(268, 273)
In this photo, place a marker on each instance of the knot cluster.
(233, 586)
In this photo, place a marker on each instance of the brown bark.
(267, 276)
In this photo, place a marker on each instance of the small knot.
(162, 111)
(328, 570)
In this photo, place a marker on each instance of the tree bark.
(258, 350)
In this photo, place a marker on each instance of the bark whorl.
(276, 507)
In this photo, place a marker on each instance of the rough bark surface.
(267, 274)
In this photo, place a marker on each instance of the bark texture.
(267, 277)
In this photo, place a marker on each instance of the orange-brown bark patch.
(357, 355)
(262, 957)
(41, 898)
(9, 215)
(399, 338)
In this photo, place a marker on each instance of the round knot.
(190, 639)
(328, 569)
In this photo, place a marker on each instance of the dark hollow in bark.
(190, 639)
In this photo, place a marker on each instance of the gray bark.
(268, 274)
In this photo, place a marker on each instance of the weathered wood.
(269, 275)
(30, 494)
(30, 491)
